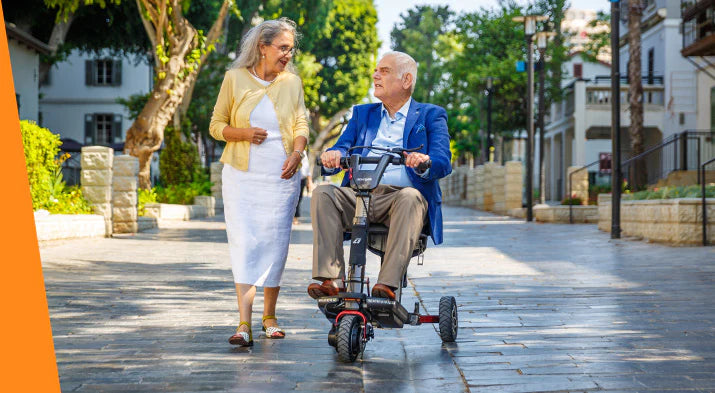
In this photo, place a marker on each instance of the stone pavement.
(543, 307)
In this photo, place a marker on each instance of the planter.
(560, 214)
(673, 221)
(166, 211)
(69, 226)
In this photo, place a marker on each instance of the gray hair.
(263, 33)
(405, 64)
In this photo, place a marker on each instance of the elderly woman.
(261, 115)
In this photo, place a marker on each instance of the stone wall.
(96, 181)
(489, 187)
(217, 187)
(69, 226)
(672, 221)
(124, 194)
(579, 183)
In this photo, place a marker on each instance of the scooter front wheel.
(349, 338)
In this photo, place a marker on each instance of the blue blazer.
(426, 125)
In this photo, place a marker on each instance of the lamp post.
(615, 123)
(542, 38)
(490, 92)
(529, 31)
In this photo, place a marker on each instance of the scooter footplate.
(387, 313)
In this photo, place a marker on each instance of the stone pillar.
(513, 184)
(579, 184)
(96, 181)
(479, 187)
(217, 184)
(489, 186)
(471, 188)
(498, 175)
(124, 194)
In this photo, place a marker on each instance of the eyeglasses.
(285, 49)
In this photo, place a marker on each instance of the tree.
(421, 33)
(344, 59)
(635, 89)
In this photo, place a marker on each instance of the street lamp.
(615, 122)
(542, 38)
(529, 31)
(490, 92)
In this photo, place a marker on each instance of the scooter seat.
(377, 240)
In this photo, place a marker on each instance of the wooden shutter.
(89, 127)
(117, 129)
(117, 73)
(578, 71)
(89, 72)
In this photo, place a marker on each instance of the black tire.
(349, 338)
(448, 320)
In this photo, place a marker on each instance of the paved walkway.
(543, 307)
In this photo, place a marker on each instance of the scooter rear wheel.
(349, 338)
(448, 319)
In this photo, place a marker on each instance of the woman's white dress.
(259, 206)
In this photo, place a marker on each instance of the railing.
(679, 152)
(646, 79)
(705, 203)
(597, 95)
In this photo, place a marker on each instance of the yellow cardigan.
(240, 94)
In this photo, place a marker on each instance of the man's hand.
(331, 159)
(414, 159)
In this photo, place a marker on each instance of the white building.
(80, 97)
(25, 53)
(699, 49)
(579, 127)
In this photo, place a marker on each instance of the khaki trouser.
(332, 210)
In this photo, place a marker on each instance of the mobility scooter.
(354, 313)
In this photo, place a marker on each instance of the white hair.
(264, 33)
(404, 64)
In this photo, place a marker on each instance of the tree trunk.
(172, 34)
(635, 90)
(326, 133)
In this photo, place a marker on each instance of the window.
(102, 129)
(651, 64)
(578, 71)
(103, 72)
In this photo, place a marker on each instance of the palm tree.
(635, 90)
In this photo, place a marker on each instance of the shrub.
(179, 160)
(182, 194)
(69, 201)
(144, 197)
(41, 147)
(573, 200)
(694, 191)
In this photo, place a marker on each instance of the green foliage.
(41, 147)
(182, 194)
(44, 172)
(134, 104)
(69, 201)
(599, 41)
(179, 160)
(144, 197)
(574, 200)
(346, 52)
(694, 191)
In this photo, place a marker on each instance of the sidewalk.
(543, 307)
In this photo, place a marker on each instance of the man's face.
(386, 80)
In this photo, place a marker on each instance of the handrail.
(570, 187)
(705, 206)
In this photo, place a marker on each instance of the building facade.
(25, 51)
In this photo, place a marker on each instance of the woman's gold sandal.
(244, 339)
(272, 331)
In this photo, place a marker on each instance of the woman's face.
(278, 53)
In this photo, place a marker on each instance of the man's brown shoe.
(381, 290)
(327, 288)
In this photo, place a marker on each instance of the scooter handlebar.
(345, 162)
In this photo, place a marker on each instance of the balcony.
(698, 27)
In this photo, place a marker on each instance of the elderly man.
(404, 197)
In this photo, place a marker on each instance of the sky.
(388, 11)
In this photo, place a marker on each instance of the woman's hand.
(253, 134)
(290, 166)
